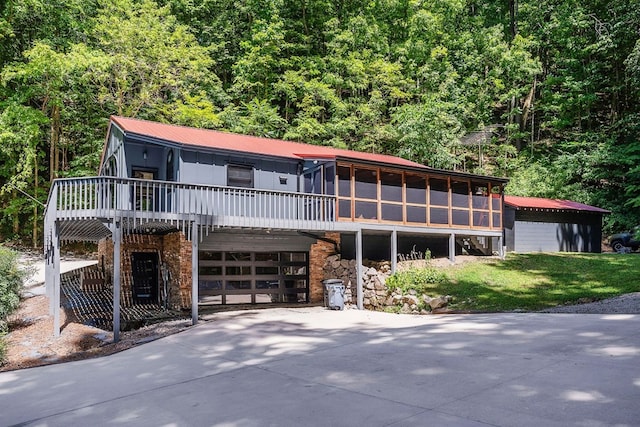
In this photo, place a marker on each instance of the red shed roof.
(249, 144)
(549, 204)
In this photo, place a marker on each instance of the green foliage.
(11, 280)
(393, 76)
(537, 281)
(420, 280)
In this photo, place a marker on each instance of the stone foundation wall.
(173, 249)
(318, 255)
(376, 294)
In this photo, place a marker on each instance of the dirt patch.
(31, 343)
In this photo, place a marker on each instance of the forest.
(542, 92)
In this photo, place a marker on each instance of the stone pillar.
(317, 256)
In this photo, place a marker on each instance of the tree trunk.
(34, 234)
(16, 215)
(55, 140)
(513, 18)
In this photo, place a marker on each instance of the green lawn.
(537, 281)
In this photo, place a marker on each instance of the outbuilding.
(547, 225)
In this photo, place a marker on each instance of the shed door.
(144, 266)
(550, 237)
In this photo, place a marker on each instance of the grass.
(537, 281)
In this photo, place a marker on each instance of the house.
(546, 225)
(191, 216)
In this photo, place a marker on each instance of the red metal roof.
(249, 144)
(551, 204)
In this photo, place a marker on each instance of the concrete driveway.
(314, 367)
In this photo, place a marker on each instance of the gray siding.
(554, 232)
(256, 242)
(209, 169)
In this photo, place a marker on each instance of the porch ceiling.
(94, 230)
(88, 230)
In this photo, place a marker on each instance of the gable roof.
(536, 203)
(212, 139)
(206, 138)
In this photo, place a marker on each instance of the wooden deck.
(85, 207)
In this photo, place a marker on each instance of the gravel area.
(30, 341)
(623, 304)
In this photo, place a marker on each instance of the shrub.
(417, 279)
(11, 281)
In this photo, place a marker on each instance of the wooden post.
(360, 296)
(452, 248)
(116, 235)
(394, 250)
(55, 291)
(194, 273)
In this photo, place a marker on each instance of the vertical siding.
(210, 169)
(557, 232)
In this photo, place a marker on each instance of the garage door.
(253, 277)
(549, 237)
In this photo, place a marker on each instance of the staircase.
(474, 245)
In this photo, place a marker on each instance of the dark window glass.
(170, 166)
(210, 256)
(344, 181)
(391, 186)
(366, 184)
(238, 284)
(480, 196)
(496, 202)
(391, 212)
(460, 194)
(330, 180)
(294, 256)
(294, 270)
(267, 256)
(439, 192)
(460, 217)
(344, 208)
(417, 214)
(481, 219)
(439, 216)
(215, 270)
(209, 285)
(238, 256)
(267, 284)
(416, 189)
(497, 220)
(240, 176)
(366, 210)
(235, 270)
(267, 270)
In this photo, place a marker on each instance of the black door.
(144, 266)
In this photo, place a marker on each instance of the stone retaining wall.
(376, 295)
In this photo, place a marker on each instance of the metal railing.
(145, 200)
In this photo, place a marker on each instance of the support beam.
(502, 250)
(194, 273)
(394, 251)
(116, 235)
(360, 295)
(55, 272)
(452, 248)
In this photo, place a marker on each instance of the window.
(170, 166)
(240, 176)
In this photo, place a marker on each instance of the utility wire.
(26, 194)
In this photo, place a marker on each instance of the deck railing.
(145, 200)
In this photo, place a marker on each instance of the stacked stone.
(411, 302)
(376, 294)
(345, 270)
(375, 286)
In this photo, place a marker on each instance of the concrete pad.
(310, 366)
(35, 267)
